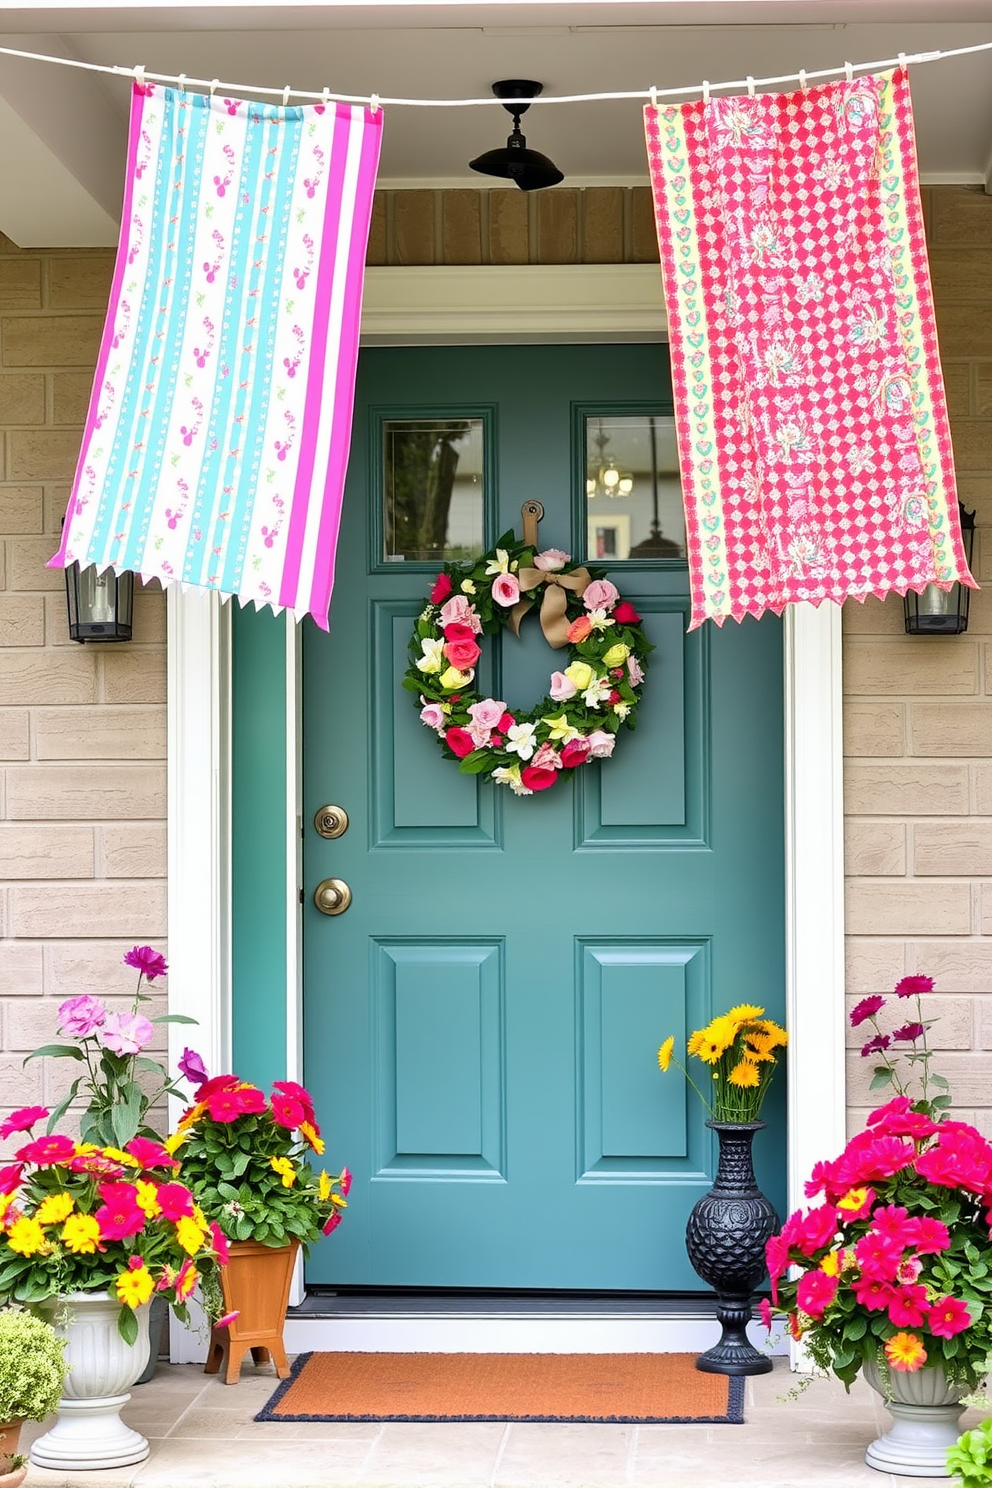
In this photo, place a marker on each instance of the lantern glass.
(943, 611)
(100, 605)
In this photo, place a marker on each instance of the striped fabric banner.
(217, 436)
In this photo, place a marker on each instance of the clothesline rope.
(376, 101)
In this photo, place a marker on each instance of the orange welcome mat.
(504, 1387)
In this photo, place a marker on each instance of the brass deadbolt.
(332, 896)
(331, 821)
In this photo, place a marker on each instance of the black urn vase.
(725, 1239)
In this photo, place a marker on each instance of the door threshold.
(325, 1302)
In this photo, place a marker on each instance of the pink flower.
(441, 590)
(433, 715)
(487, 713)
(192, 1068)
(80, 1017)
(635, 671)
(820, 1181)
(332, 1222)
(878, 1256)
(126, 1033)
(150, 963)
(872, 1293)
(228, 1105)
(893, 1222)
(551, 560)
(458, 611)
(575, 752)
(909, 1306)
(912, 986)
(459, 741)
(47, 1151)
(817, 1229)
(506, 590)
(601, 744)
(230, 1317)
(932, 1235)
(600, 595)
(119, 1216)
(175, 1201)
(777, 1261)
(562, 687)
(10, 1177)
(909, 1270)
(219, 1242)
(546, 758)
(23, 1120)
(344, 1182)
(897, 1106)
(815, 1292)
(765, 1312)
(876, 1045)
(900, 1120)
(961, 1159)
(947, 1316)
(286, 1111)
(908, 1034)
(866, 1008)
(462, 654)
(625, 614)
(150, 1154)
(537, 778)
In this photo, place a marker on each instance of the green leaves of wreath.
(594, 695)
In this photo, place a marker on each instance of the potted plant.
(970, 1458)
(88, 1235)
(245, 1156)
(32, 1371)
(727, 1229)
(894, 1275)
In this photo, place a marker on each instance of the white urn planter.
(89, 1432)
(926, 1409)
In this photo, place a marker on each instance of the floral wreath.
(588, 701)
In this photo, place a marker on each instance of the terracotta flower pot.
(10, 1435)
(255, 1284)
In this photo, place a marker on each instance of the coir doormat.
(504, 1387)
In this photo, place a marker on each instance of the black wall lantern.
(100, 605)
(943, 611)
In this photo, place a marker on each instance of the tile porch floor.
(202, 1436)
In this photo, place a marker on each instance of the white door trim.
(405, 306)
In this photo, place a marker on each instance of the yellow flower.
(314, 1140)
(124, 1158)
(339, 1201)
(190, 1235)
(190, 1118)
(147, 1199)
(26, 1236)
(55, 1208)
(172, 1144)
(200, 1218)
(561, 730)
(709, 1052)
(467, 586)
(830, 1265)
(285, 1169)
(745, 1075)
(581, 673)
(5, 1202)
(324, 1186)
(135, 1287)
(452, 679)
(616, 656)
(665, 1052)
(759, 1046)
(778, 1035)
(696, 1041)
(81, 1233)
(722, 1031)
(744, 1012)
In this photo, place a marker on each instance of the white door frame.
(473, 305)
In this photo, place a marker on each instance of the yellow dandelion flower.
(779, 1037)
(722, 1031)
(696, 1042)
(709, 1052)
(745, 1074)
(135, 1287)
(745, 1012)
(80, 1234)
(665, 1052)
(26, 1236)
(55, 1208)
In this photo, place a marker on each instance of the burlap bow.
(554, 621)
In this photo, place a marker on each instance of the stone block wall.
(82, 727)
(918, 728)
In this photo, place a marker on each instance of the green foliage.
(32, 1367)
(970, 1459)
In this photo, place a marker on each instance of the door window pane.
(633, 491)
(433, 489)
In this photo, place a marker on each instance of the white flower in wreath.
(560, 730)
(468, 586)
(433, 659)
(597, 692)
(621, 709)
(520, 739)
(499, 564)
(510, 775)
(600, 620)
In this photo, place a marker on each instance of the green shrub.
(32, 1367)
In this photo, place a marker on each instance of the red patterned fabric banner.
(813, 436)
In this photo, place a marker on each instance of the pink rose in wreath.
(487, 713)
(562, 687)
(575, 752)
(506, 590)
(432, 714)
(459, 741)
(462, 654)
(600, 595)
(442, 588)
(552, 560)
(601, 744)
(536, 779)
(458, 611)
(458, 631)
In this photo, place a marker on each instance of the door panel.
(481, 1025)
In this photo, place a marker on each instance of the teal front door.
(481, 1024)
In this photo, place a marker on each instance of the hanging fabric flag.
(813, 437)
(217, 437)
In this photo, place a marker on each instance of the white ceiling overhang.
(63, 130)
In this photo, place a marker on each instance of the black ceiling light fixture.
(528, 169)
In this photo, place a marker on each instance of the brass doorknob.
(332, 896)
(331, 821)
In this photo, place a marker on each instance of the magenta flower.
(23, 1120)
(873, 1293)
(150, 963)
(815, 1292)
(125, 1033)
(193, 1068)
(80, 1017)
(333, 1221)
(227, 1319)
(932, 1235)
(908, 1034)
(866, 1008)
(878, 1257)
(46, 1151)
(876, 1044)
(119, 1217)
(948, 1316)
(150, 1154)
(909, 1306)
(817, 1229)
(912, 986)
(765, 1312)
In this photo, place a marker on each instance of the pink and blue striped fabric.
(217, 437)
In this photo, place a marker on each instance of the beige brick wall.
(918, 726)
(82, 728)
